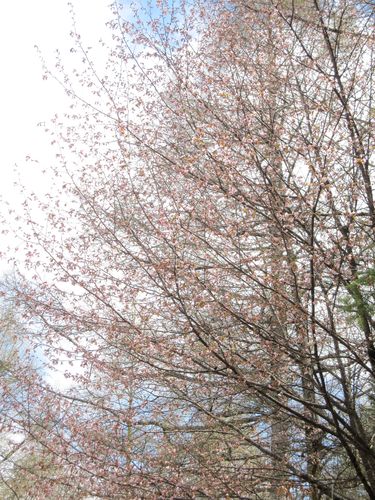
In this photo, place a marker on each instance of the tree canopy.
(210, 257)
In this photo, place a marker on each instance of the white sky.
(25, 98)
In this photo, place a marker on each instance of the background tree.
(19, 458)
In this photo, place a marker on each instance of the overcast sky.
(25, 98)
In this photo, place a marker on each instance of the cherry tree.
(212, 269)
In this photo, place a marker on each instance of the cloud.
(27, 100)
